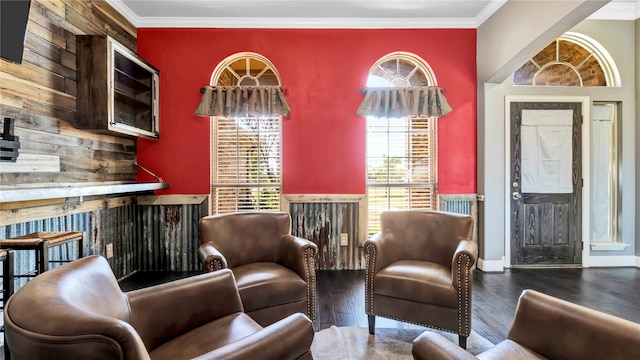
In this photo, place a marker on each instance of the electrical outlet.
(344, 239)
(109, 251)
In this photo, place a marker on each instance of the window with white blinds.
(246, 165)
(246, 152)
(401, 155)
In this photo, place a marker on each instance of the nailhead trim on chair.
(311, 282)
(463, 302)
(214, 265)
(370, 254)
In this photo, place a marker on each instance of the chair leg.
(372, 324)
(462, 341)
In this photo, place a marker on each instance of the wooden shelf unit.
(118, 91)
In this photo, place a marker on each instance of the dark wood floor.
(341, 295)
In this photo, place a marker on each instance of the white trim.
(614, 261)
(491, 265)
(488, 10)
(306, 23)
(611, 11)
(638, 261)
(586, 168)
(619, 10)
(124, 10)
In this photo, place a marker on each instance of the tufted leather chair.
(77, 311)
(274, 270)
(419, 270)
(545, 327)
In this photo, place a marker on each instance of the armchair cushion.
(418, 281)
(264, 285)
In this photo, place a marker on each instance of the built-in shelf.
(28, 194)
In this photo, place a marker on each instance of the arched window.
(245, 151)
(571, 60)
(401, 152)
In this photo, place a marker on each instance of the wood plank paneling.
(41, 95)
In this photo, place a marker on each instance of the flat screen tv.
(14, 15)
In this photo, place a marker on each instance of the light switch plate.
(344, 239)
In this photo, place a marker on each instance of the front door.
(546, 183)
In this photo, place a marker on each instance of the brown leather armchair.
(545, 327)
(419, 270)
(77, 311)
(274, 270)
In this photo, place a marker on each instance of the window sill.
(608, 246)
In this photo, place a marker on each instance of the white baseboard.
(614, 261)
(491, 265)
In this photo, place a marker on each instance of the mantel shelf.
(28, 194)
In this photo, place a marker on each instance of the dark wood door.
(546, 183)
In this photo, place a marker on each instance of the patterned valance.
(393, 102)
(243, 101)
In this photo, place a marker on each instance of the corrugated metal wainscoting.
(112, 224)
(169, 226)
(147, 233)
(462, 204)
(323, 223)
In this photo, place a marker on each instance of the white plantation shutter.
(400, 166)
(246, 165)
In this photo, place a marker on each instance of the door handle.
(516, 195)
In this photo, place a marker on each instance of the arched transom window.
(401, 152)
(245, 152)
(571, 60)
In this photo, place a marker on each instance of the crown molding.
(493, 6)
(124, 10)
(620, 10)
(623, 10)
(305, 23)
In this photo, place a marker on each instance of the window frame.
(215, 184)
(372, 216)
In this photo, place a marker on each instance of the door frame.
(586, 169)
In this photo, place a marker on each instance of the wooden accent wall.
(41, 95)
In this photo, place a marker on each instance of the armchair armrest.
(164, 311)
(380, 252)
(463, 260)
(431, 345)
(297, 254)
(211, 258)
(289, 338)
(554, 327)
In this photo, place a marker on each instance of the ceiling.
(329, 13)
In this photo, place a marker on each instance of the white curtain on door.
(546, 151)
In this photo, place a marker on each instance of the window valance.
(393, 102)
(243, 101)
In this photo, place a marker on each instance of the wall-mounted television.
(14, 16)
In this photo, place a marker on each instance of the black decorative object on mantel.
(9, 143)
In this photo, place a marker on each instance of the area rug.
(355, 343)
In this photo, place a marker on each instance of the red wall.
(323, 150)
